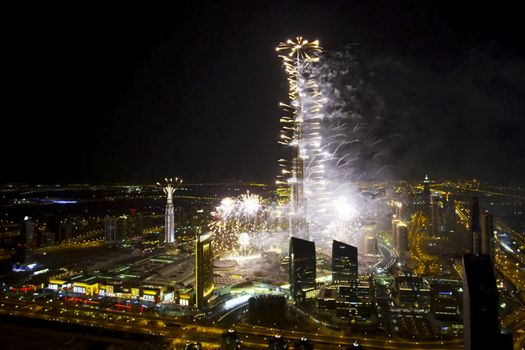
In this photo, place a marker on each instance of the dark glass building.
(301, 268)
(475, 228)
(345, 277)
(481, 326)
(344, 264)
(487, 234)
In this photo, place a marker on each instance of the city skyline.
(353, 176)
(135, 95)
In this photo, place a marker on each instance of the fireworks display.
(236, 220)
(323, 203)
(302, 132)
(316, 196)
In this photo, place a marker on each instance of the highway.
(181, 331)
(387, 258)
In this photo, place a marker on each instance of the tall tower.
(426, 195)
(302, 131)
(203, 269)
(435, 215)
(345, 277)
(169, 215)
(302, 268)
(475, 228)
(487, 235)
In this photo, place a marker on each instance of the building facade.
(203, 269)
(302, 268)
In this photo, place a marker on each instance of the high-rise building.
(481, 326)
(203, 269)
(302, 268)
(365, 297)
(135, 224)
(450, 213)
(344, 263)
(435, 217)
(64, 231)
(487, 235)
(401, 239)
(345, 277)
(426, 195)
(115, 229)
(29, 233)
(302, 133)
(398, 209)
(371, 245)
(395, 221)
(475, 229)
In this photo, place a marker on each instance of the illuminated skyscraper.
(345, 277)
(426, 195)
(302, 268)
(203, 269)
(169, 215)
(344, 263)
(301, 131)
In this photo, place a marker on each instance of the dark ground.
(25, 333)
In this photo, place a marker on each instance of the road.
(181, 331)
(388, 257)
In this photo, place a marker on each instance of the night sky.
(136, 93)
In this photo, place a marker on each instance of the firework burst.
(236, 220)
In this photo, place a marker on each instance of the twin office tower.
(302, 268)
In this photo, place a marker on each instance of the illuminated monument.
(302, 132)
(169, 216)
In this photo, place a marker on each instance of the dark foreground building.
(301, 268)
(480, 305)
